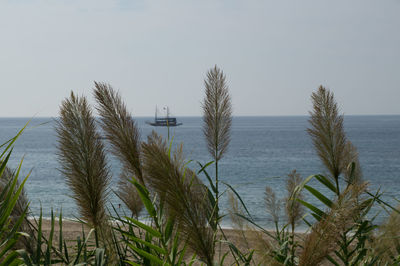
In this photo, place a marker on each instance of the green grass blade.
(7, 247)
(39, 238)
(4, 163)
(147, 255)
(256, 225)
(238, 196)
(60, 237)
(319, 196)
(132, 263)
(12, 140)
(99, 257)
(151, 246)
(20, 220)
(25, 256)
(66, 255)
(50, 240)
(10, 259)
(144, 196)
(182, 254)
(317, 211)
(326, 182)
(203, 170)
(169, 228)
(147, 228)
(332, 260)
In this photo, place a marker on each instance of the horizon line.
(184, 116)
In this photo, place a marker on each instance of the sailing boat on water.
(165, 121)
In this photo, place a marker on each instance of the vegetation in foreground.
(183, 216)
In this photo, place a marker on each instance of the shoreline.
(76, 225)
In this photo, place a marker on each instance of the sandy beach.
(73, 229)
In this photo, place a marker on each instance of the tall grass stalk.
(386, 244)
(327, 234)
(217, 116)
(83, 163)
(184, 195)
(124, 136)
(294, 209)
(327, 132)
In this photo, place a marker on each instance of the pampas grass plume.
(217, 110)
(272, 204)
(82, 160)
(327, 132)
(183, 194)
(294, 209)
(123, 134)
(325, 234)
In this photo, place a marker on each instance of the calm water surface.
(263, 151)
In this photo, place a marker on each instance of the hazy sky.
(274, 53)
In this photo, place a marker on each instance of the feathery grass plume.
(28, 243)
(386, 244)
(123, 134)
(265, 249)
(250, 238)
(294, 209)
(183, 194)
(217, 110)
(83, 162)
(352, 172)
(327, 132)
(272, 204)
(242, 228)
(128, 194)
(326, 233)
(235, 209)
(217, 117)
(120, 128)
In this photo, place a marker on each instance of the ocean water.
(262, 152)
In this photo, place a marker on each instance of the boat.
(166, 121)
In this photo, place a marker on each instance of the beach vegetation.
(122, 133)
(217, 117)
(13, 207)
(83, 163)
(174, 218)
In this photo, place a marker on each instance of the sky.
(274, 53)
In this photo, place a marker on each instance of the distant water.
(263, 151)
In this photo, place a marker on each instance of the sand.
(73, 229)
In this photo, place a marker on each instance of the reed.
(181, 207)
(183, 194)
(272, 203)
(352, 171)
(279, 247)
(293, 208)
(217, 110)
(326, 235)
(124, 136)
(83, 163)
(327, 132)
(217, 117)
(385, 248)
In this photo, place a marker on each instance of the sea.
(262, 152)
